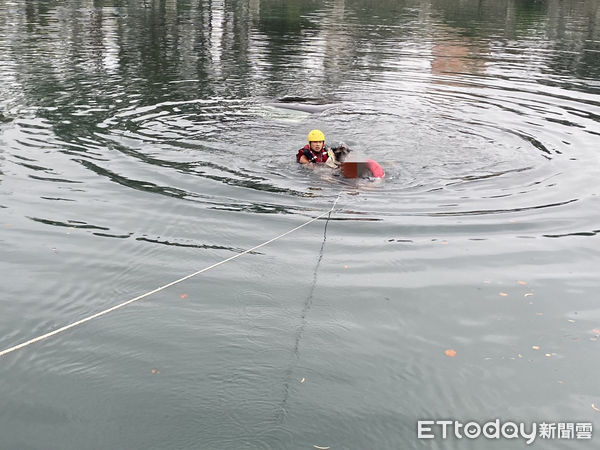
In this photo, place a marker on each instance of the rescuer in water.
(316, 152)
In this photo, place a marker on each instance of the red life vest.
(320, 156)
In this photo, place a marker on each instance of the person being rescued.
(316, 152)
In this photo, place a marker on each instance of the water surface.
(139, 144)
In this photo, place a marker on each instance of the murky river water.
(140, 143)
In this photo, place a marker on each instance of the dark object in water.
(312, 109)
(309, 105)
(295, 99)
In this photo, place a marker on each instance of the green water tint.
(139, 142)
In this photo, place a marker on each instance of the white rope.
(147, 294)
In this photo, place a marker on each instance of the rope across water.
(173, 283)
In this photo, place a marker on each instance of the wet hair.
(341, 151)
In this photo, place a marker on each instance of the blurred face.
(316, 146)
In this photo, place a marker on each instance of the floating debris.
(318, 447)
(450, 352)
(535, 347)
(183, 296)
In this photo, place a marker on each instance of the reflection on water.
(141, 141)
(461, 56)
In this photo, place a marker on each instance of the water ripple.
(139, 143)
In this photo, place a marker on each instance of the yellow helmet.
(316, 135)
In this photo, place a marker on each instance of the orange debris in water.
(450, 352)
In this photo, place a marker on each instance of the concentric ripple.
(143, 141)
